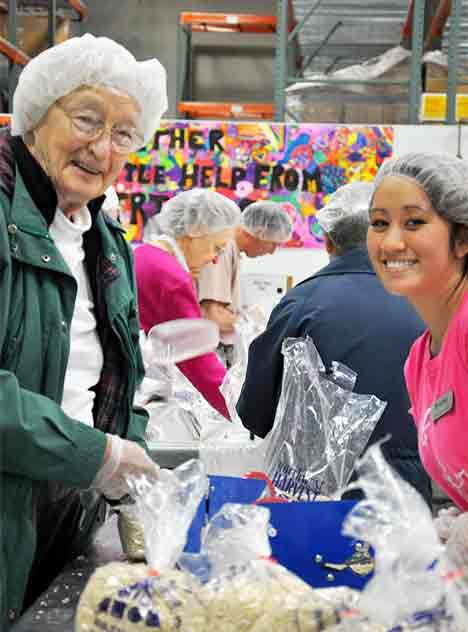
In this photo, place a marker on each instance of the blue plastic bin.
(306, 536)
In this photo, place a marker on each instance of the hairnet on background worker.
(193, 212)
(267, 221)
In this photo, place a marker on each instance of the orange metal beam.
(13, 53)
(200, 109)
(81, 8)
(229, 22)
(438, 22)
(436, 27)
(408, 25)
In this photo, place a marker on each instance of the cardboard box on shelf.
(437, 75)
(337, 110)
(32, 31)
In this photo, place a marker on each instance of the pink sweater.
(438, 391)
(166, 292)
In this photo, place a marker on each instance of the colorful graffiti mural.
(295, 164)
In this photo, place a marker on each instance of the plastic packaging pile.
(229, 449)
(303, 97)
(231, 585)
(321, 427)
(415, 586)
(178, 413)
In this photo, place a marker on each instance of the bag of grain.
(123, 597)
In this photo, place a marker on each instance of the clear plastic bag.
(230, 449)
(246, 592)
(321, 427)
(177, 410)
(249, 325)
(171, 422)
(177, 340)
(414, 586)
(445, 520)
(457, 541)
(123, 597)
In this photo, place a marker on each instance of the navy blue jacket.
(351, 319)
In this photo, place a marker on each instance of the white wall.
(303, 262)
(299, 262)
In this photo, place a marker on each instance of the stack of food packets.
(231, 585)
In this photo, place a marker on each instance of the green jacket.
(38, 442)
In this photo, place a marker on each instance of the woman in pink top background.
(191, 230)
(418, 244)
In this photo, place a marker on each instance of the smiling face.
(81, 170)
(409, 243)
(198, 251)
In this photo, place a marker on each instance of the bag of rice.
(246, 590)
(122, 597)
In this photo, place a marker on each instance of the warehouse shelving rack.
(240, 23)
(289, 67)
(414, 27)
(8, 47)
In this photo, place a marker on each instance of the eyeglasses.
(89, 128)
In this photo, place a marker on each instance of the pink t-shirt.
(166, 292)
(432, 382)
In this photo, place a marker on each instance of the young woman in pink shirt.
(418, 245)
(190, 231)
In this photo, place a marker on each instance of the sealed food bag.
(414, 587)
(135, 597)
(246, 591)
(321, 427)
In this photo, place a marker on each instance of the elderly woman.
(191, 231)
(70, 359)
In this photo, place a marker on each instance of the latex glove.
(457, 543)
(123, 458)
(444, 521)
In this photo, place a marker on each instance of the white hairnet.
(88, 61)
(349, 201)
(442, 177)
(267, 220)
(196, 212)
(111, 201)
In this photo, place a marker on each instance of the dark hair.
(349, 233)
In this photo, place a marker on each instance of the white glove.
(124, 458)
(444, 521)
(457, 543)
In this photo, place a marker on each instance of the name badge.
(442, 406)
